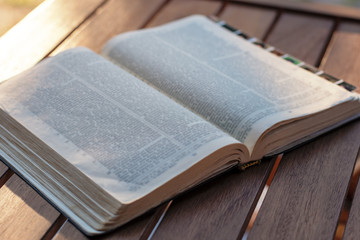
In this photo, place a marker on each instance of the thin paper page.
(239, 87)
(126, 136)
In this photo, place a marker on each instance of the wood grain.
(302, 36)
(177, 9)
(220, 209)
(251, 20)
(352, 229)
(116, 16)
(342, 58)
(24, 214)
(305, 198)
(41, 31)
(321, 9)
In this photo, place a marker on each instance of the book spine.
(285, 56)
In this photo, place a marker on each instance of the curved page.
(124, 135)
(237, 86)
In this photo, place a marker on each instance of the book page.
(126, 136)
(237, 86)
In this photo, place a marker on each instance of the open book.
(106, 138)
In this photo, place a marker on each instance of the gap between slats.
(155, 221)
(80, 24)
(261, 198)
(55, 227)
(348, 201)
(5, 177)
(327, 43)
(273, 24)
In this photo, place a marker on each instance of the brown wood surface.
(301, 35)
(307, 193)
(114, 17)
(24, 214)
(352, 230)
(68, 231)
(41, 31)
(177, 9)
(342, 58)
(218, 210)
(251, 20)
(331, 10)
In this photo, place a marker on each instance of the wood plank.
(342, 58)
(52, 21)
(177, 9)
(352, 228)
(305, 198)
(220, 209)
(251, 20)
(68, 231)
(330, 10)
(24, 214)
(302, 36)
(115, 17)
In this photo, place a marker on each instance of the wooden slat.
(302, 36)
(251, 20)
(39, 32)
(305, 198)
(324, 9)
(342, 58)
(220, 209)
(177, 9)
(67, 232)
(24, 214)
(352, 229)
(115, 17)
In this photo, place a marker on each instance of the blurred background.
(12, 11)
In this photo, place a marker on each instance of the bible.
(106, 137)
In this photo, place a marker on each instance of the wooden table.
(308, 190)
